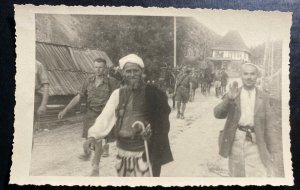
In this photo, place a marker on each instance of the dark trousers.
(88, 121)
(156, 169)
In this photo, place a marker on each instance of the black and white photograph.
(192, 94)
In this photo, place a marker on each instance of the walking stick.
(146, 146)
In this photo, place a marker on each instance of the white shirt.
(107, 119)
(247, 107)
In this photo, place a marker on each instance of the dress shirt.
(247, 98)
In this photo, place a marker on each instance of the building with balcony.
(230, 53)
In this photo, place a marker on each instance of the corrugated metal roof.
(66, 83)
(67, 67)
(83, 59)
(55, 57)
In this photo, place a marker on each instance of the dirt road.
(193, 143)
(195, 148)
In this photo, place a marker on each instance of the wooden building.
(230, 52)
(67, 68)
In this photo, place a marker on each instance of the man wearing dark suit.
(250, 138)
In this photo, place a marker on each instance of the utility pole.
(272, 58)
(174, 41)
(264, 71)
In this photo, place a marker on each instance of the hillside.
(58, 29)
(152, 38)
(257, 54)
(194, 39)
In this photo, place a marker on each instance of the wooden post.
(174, 42)
(272, 58)
(264, 66)
(269, 59)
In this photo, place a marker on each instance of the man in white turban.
(131, 58)
(137, 113)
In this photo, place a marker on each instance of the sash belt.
(248, 131)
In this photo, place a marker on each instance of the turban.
(131, 58)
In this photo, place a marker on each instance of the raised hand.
(61, 114)
(233, 90)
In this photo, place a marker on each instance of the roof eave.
(216, 48)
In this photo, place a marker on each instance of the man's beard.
(134, 84)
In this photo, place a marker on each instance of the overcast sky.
(254, 27)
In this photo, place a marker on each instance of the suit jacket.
(268, 135)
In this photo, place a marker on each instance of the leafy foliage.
(257, 54)
(150, 37)
(193, 40)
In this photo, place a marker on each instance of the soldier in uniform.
(218, 83)
(129, 110)
(224, 80)
(41, 89)
(96, 91)
(195, 83)
(183, 89)
(41, 94)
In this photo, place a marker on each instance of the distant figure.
(115, 73)
(250, 138)
(195, 83)
(224, 81)
(201, 81)
(218, 83)
(183, 89)
(208, 79)
(41, 94)
(95, 90)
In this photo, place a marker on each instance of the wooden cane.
(146, 147)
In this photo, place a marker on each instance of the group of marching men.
(189, 79)
(136, 115)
